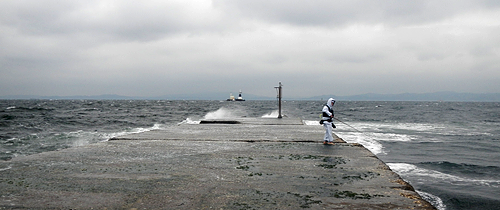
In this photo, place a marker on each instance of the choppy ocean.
(449, 151)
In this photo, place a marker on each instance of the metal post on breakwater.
(279, 88)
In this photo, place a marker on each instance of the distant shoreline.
(437, 96)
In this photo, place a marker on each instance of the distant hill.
(437, 96)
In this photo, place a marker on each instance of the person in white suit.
(327, 121)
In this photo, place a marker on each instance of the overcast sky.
(154, 48)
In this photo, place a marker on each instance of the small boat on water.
(231, 97)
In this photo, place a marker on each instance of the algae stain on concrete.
(258, 199)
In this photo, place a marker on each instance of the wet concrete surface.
(208, 166)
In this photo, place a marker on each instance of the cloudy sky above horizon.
(154, 48)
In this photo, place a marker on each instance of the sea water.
(449, 151)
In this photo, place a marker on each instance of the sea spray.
(273, 114)
(226, 113)
(221, 113)
(189, 121)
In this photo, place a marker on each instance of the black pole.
(279, 99)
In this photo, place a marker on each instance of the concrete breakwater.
(217, 164)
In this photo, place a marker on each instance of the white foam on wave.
(367, 140)
(370, 141)
(434, 200)
(390, 137)
(156, 126)
(5, 169)
(413, 126)
(441, 129)
(361, 138)
(108, 136)
(406, 169)
(372, 134)
(385, 126)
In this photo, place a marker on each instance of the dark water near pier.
(449, 151)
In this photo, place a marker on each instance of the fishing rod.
(347, 125)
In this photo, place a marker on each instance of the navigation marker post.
(278, 88)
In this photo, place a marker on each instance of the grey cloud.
(155, 48)
(339, 13)
(110, 20)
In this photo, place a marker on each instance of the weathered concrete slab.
(233, 132)
(244, 129)
(202, 171)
